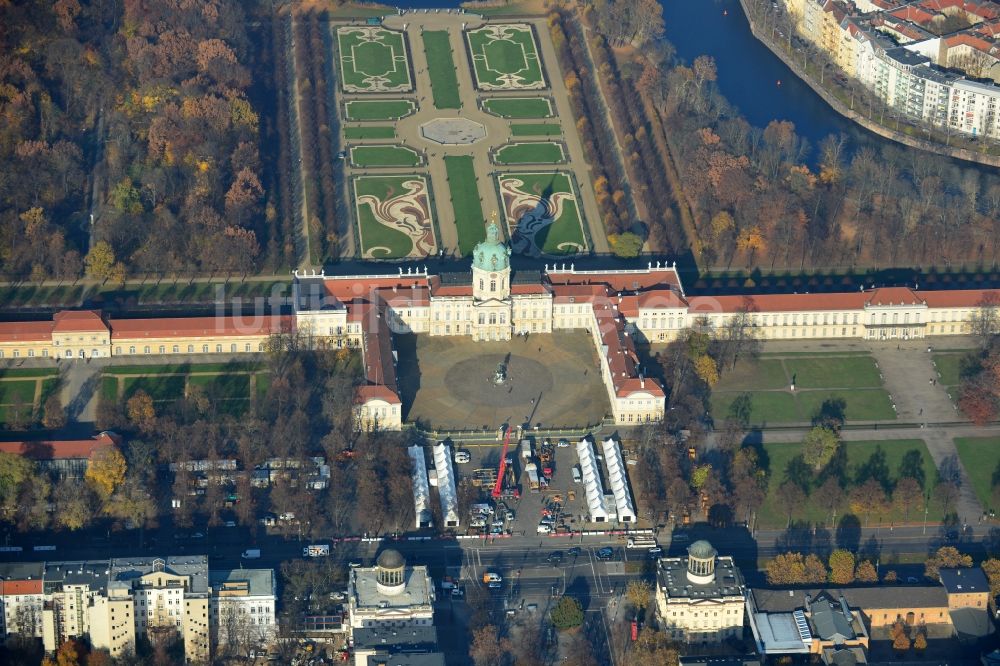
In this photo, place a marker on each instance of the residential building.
(384, 646)
(21, 597)
(77, 604)
(700, 598)
(966, 588)
(242, 607)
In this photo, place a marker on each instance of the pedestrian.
(921, 412)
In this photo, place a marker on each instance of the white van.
(544, 528)
(577, 474)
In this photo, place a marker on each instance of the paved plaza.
(553, 379)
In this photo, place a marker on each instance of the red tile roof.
(405, 296)
(347, 289)
(72, 321)
(454, 290)
(60, 449)
(892, 296)
(363, 394)
(777, 302)
(619, 281)
(26, 331)
(199, 327)
(959, 298)
(14, 587)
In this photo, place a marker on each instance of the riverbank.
(858, 118)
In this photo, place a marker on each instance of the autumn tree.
(901, 642)
(140, 411)
(637, 594)
(907, 495)
(625, 245)
(488, 647)
(791, 498)
(841, 567)
(819, 447)
(786, 569)
(865, 572)
(706, 369)
(567, 613)
(53, 414)
(946, 557)
(105, 470)
(920, 642)
(815, 569)
(868, 498)
(15, 470)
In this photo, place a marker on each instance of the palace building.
(617, 308)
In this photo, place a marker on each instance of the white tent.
(446, 484)
(591, 481)
(618, 480)
(421, 491)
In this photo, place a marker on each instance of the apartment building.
(242, 606)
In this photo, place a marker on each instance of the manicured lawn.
(441, 68)
(505, 57)
(15, 391)
(380, 156)
(373, 132)
(949, 366)
(535, 129)
(751, 375)
(833, 371)
(541, 210)
(880, 459)
(394, 216)
(373, 59)
(381, 109)
(13, 373)
(519, 107)
(224, 387)
(981, 458)
(109, 388)
(159, 387)
(180, 368)
(774, 407)
(465, 202)
(543, 152)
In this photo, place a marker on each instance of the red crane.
(498, 486)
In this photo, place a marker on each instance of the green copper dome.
(491, 254)
(701, 550)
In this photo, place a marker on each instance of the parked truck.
(316, 550)
(532, 470)
(526, 451)
(251, 554)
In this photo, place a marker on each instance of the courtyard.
(552, 379)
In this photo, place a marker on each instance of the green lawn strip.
(465, 202)
(777, 407)
(565, 234)
(159, 387)
(845, 372)
(981, 458)
(372, 132)
(535, 129)
(48, 387)
(766, 407)
(375, 156)
(377, 109)
(441, 68)
(222, 387)
(861, 456)
(753, 375)
(950, 366)
(543, 152)
(862, 405)
(262, 382)
(519, 107)
(181, 368)
(15, 373)
(109, 388)
(15, 391)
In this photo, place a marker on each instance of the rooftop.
(396, 638)
(418, 589)
(964, 581)
(672, 578)
(865, 598)
(128, 569)
(92, 573)
(261, 581)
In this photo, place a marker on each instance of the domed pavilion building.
(390, 594)
(700, 597)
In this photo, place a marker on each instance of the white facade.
(242, 606)
(592, 487)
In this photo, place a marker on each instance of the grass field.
(818, 377)
(373, 59)
(441, 69)
(18, 391)
(378, 109)
(505, 57)
(519, 107)
(385, 156)
(394, 216)
(981, 458)
(375, 132)
(227, 386)
(540, 152)
(14, 373)
(542, 213)
(950, 365)
(862, 460)
(465, 202)
(535, 129)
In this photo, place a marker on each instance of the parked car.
(606, 553)
(462, 457)
(544, 528)
(655, 552)
(575, 551)
(563, 443)
(458, 593)
(555, 558)
(354, 564)
(577, 475)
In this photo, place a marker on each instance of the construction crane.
(498, 486)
